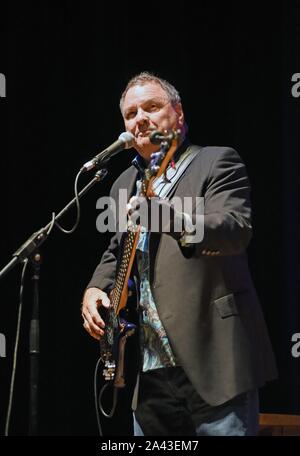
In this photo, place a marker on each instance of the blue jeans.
(169, 405)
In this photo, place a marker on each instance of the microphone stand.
(34, 348)
(30, 250)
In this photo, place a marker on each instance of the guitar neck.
(120, 292)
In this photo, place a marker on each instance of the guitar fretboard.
(123, 268)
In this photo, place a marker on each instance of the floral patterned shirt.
(157, 351)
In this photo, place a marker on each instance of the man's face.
(147, 108)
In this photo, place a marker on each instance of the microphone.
(125, 141)
(157, 137)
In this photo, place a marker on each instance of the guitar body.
(114, 346)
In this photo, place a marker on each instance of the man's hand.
(93, 299)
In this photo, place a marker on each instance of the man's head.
(150, 103)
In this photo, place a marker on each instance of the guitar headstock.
(168, 141)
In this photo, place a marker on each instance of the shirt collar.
(139, 163)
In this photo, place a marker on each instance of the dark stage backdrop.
(65, 66)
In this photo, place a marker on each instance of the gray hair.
(144, 78)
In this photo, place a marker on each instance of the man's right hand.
(93, 299)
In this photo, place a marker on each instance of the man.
(204, 345)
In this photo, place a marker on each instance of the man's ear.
(179, 111)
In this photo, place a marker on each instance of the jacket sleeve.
(104, 274)
(227, 208)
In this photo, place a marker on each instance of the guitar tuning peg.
(155, 155)
(155, 169)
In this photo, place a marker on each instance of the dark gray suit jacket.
(207, 304)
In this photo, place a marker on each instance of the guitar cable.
(98, 399)
(115, 400)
